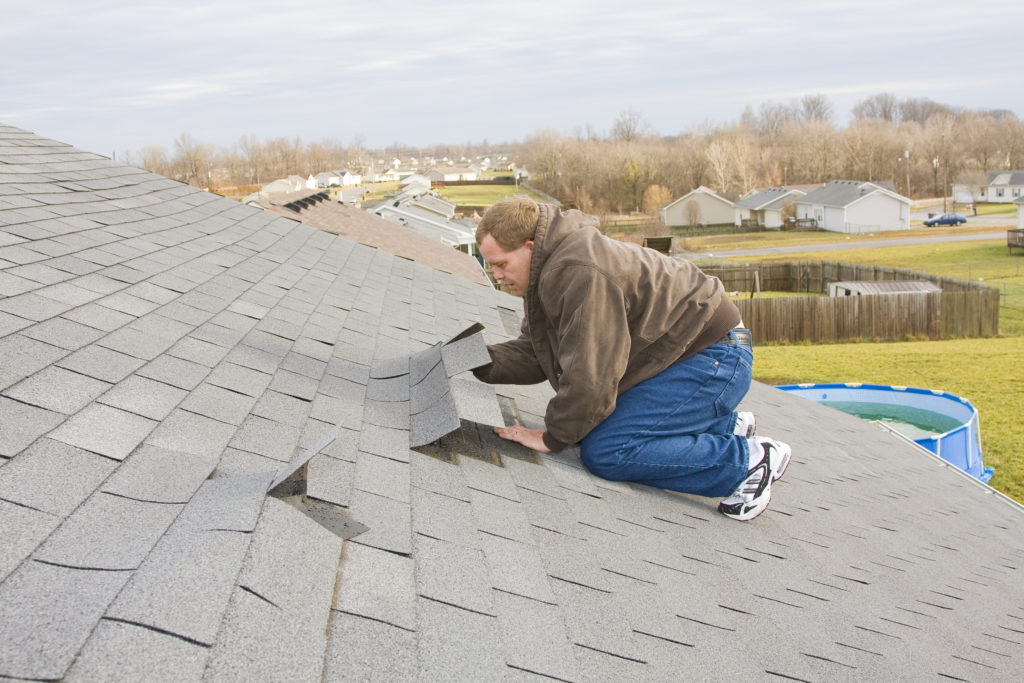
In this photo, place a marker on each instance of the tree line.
(920, 145)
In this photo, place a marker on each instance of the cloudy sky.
(111, 76)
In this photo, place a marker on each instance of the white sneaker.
(754, 494)
(745, 425)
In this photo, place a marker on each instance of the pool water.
(914, 423)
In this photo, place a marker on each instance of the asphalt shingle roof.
(169, 357)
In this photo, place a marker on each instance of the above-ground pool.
(945, 424)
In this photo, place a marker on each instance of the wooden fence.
(962, 309)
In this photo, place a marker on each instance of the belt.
(738, 337)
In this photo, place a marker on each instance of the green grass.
(988, 372)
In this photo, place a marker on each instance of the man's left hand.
(531, 438)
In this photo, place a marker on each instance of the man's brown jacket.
(602, 316)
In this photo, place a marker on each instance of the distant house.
(292, 183)
(442, 174)
(994, 186)
(854, 206)
(764, 208)
(699, 207)
(328, 179)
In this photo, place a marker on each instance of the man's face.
(510, 267)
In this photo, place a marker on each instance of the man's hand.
(531, 438)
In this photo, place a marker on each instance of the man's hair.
(510, 221)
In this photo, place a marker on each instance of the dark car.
(945, 219)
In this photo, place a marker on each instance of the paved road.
(850, 245)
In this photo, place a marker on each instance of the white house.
(764, 208)
(995, 187)
(854, 206)
(699, 207)
(451, 174)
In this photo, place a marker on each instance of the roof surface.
(168, 355)
(886, 286)
(845, 192)
(770, 198)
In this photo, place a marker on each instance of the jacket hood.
(552, 227)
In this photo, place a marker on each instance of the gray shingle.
(24, 356)
(143, 396)
(383, 476)
(476, 402)
(465, 354)
(49, 612)
(122, 651)
(175, 372)
(377, 585)
(330, 479)
(438, 419)
(105, 430)
(108, 532)
(22, 529)
(53, 477)
(184, 586)
(535, 637)
(33, 306)
(266, 437)
(157, 475)
(190, 433)
(365, 649)
(59, 390)
(457, 644)
(453, 574)
(239, 378)
(220, 404)
(228, 502)
(100, 363)
(389, 522)
(23, 424)
(283, 408)
(64, 333)
(444, 518)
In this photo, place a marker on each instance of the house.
(764, 208)
(441, 174)
(292, 183)
(416, 182)
(994, 187)
(699, 207)
(212, 467)
(854, 206)
(328, 179)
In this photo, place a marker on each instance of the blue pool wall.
(960, 447)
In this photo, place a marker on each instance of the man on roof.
(647, 355)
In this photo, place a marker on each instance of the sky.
(110, 76)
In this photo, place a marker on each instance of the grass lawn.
(481, 195)
(987, 372)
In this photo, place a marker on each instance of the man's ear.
(528, 244)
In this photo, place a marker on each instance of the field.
(987, 372)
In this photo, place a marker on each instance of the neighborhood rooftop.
(206, 474)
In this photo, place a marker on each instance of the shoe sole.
(754, 510)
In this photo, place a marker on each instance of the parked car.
(945, 219)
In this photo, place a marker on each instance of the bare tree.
(693, 213)
(630, 126)
(882, 106)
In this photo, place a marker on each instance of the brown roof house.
(237, 447)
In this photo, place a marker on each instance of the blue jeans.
(674, 430)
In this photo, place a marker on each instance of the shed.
(699, 207)
(868, 287)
